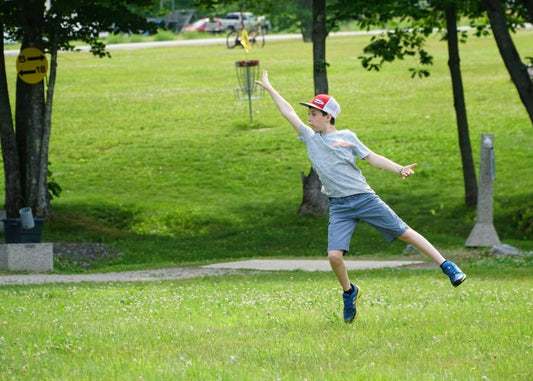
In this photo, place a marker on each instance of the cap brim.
(310, 105)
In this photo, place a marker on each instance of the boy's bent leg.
(448, 267)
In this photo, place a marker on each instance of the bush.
(164, 35)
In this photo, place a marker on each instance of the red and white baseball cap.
(325, 103)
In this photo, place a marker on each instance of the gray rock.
(505, 250)
(410, 249)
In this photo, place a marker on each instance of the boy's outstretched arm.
(284, 107)
(384, 163)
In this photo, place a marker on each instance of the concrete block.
(27, 256)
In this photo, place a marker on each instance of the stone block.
(27, 256)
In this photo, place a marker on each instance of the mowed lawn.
(412, 325)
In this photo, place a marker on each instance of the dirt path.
(217, 269)
(125, 276)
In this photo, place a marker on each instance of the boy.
(333, 154)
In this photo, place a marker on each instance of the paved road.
(306, 264)
(195, 42)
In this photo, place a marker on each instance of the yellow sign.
(32, 65)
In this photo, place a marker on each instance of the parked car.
(235, 21)
(200, 25)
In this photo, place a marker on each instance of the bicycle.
(255, 36)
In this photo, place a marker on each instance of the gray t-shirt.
(333, 157)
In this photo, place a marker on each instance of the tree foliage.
(408, 23)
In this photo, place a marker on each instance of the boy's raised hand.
(407, 171)
(264, 80)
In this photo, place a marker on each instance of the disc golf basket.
(248, 72)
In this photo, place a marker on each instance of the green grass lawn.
(412, 325)
(157, 159)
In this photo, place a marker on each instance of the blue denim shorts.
(346, 212)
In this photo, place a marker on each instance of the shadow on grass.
(253, 230)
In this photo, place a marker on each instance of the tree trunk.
(513, 63)
(10, 156)
(31, 133)
(469, 172)
(43, 197)
(320, 74)
(29, 120)
(314, 201)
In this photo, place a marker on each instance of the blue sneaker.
(350, 304)
(454, 273)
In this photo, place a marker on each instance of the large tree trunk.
(513, 63)
(29, 121)
(31, 133)
(314, 201)
(10, 156)
(469, 172)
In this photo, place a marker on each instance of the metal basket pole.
(247, 73)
